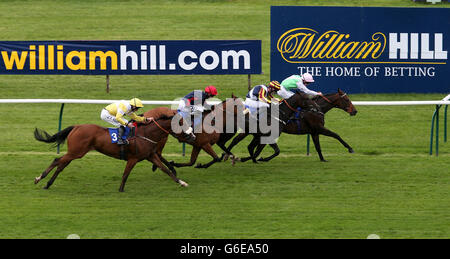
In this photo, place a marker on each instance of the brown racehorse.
(86, 137)
(205, 140)
(287, 108)
(313, 123)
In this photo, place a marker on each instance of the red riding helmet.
(211, 90)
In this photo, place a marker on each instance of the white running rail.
(445, 101)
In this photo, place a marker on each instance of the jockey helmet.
(211, 90)
(136, 103)
(275, 85)
(307, 77)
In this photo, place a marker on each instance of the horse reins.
(159, 126)
(340, 96)
(326, 99)
(152, 141)
(289, 106)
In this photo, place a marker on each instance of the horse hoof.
(351, 150)
(36, 180)
(183, 183)
(323, 160)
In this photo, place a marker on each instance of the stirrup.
(190, 138)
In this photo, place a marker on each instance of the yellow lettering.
(93, 55)
(51, 57)
(14, 59)
(302, 43)
(81, 55)
(32, 57)
(41, 57)
(60, 57)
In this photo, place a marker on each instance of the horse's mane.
(317, 97)
(162, 117)
(165, 117)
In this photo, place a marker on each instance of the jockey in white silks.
(296, 83)
(261, 96)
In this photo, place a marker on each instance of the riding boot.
(190, 135)
(120, 140)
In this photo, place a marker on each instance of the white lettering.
(395, 45)
(235, 56)
(438, 42)
(182, 60)
(215, 60)
(124, 55)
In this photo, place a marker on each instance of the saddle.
(114, 134)
(297, 117)
(128, 134)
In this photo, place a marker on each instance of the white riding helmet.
(308, 78)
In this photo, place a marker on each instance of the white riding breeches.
(254, 106)
(285, 94)
(106, 116)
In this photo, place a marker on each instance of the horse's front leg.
(155, 159)
(276, 150)
(208, 149)
(329, 133)
(194, 156)
(224, 137)
(251, 150)
(130, 164)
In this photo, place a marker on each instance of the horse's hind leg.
(47, 171)
(61, 164)
(316, 141)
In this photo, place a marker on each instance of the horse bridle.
(340, 96)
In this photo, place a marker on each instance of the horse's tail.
(58, 138)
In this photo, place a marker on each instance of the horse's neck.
(284, 107)
(325, 106)
(149, 130)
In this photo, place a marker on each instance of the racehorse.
(313, 123)
(205, 140)
(287, 108)
(86, 137)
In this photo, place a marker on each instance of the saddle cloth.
(114, 134)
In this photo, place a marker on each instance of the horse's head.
(344, 103)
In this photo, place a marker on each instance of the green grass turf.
(390, 186)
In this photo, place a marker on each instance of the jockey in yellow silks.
(114, 113)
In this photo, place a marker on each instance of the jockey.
(194, 103)
(114, 113)
(296, 83)
(261, 96)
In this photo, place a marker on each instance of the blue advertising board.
(363, 49)
(131, 57)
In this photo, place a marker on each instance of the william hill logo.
(302, 45)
